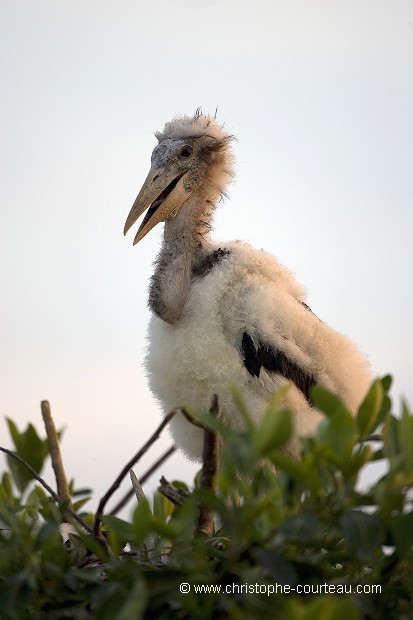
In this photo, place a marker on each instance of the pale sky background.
(320, 96)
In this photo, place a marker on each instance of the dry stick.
(44, 484)
(143, 479)
(374, 437)
(125, 471)
(55, 454)
(128, 496)
(151, 540)
(209, 468)
(136, 486)
(175, 495)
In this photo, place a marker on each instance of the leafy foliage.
(296, 540)
(31, 448)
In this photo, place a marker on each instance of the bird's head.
(192, 151)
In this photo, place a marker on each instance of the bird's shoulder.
(240, 266)
(209, 260)
(244, 289)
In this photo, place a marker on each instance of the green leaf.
(274, 431)
(370, 408)
(385, 405)
(300, 528)
(7, 488)
(280, 570)
(238, 456)
(277, 401)
(208, 422)
(118, 532)
(387, 497)
(37, 497)
(76, 506)
(402, 530)
(162, 506)
(406, 438)
(122, 528)
(323, 607)
(383, 413)
(386, 382)
(364, 533)
(242, 408)
(93, 545)
(144, 523)
(135, 603)
(30, 448)
(326, 401)
(359, 459)
(285, 463)
(391, 444)
(338, 433)
(49, 530)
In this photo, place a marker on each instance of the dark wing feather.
(265, 356)
(208, 262)
(251, 361)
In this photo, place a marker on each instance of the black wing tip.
(249, 352)
(272, 360)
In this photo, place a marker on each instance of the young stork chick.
(225, 313)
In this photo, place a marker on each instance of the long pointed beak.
(162, 193)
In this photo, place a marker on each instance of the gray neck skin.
(186, 241)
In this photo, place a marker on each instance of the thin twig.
(374, 437)
(176, 495)
(55, 454)
(125, 471)
(136, 486)
(191, 418)
(143, 479)
(62, 503)
(151, 539)
(208, 473)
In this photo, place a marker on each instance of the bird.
(224, 313)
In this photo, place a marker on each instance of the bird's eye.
(186, 151)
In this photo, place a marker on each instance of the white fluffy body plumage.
(199, 353)
(188, 362)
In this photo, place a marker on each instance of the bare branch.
(125, 470)
(208, 473)
(157, 464)
(55, 454)
(374, 437)
(191, 418)
(151, 540)
(175, 495)
(143, 479)
(62, 503)
(136, 486)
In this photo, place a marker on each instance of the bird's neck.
(186, 239)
